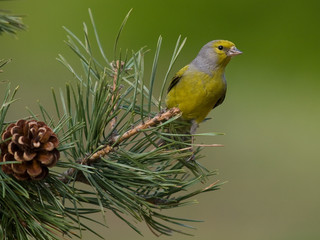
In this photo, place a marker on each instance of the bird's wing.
(221, 99)
(177, 77)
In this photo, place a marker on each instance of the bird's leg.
(193, 130)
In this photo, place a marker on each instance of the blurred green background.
(271, 115)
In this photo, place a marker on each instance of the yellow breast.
(196, 94)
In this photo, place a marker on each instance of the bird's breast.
(196, 94)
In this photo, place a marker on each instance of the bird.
(201, 86)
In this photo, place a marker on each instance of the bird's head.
(224, 48)
(216, 54)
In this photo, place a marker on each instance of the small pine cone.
(33, 144)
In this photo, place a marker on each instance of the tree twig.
(161, 117)
(117, 66)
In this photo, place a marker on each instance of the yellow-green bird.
(201, 86)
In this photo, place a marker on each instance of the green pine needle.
(10, 23)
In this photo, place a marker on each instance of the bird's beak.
(233, 52)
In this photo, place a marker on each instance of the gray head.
(214, 55)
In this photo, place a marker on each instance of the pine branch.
(116, 140)
(109, 125)
(128, 170)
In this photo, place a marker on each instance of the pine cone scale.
(19, 168)
(28, 156)
(34, 169)
(18, 156)
(6, 167)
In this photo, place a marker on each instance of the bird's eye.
(220, 47)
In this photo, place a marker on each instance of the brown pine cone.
(33, 144)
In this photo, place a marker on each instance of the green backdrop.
(271, 115)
